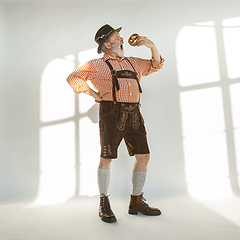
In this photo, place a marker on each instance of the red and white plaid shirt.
(98, 72)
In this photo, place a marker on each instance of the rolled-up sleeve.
(149, 66)
(156, 65)
(77, 79)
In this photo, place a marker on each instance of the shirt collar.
(107, 57)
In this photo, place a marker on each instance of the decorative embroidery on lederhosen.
(129, 110)
(136, 120)
(122, 120)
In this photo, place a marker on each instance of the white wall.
(34, 33)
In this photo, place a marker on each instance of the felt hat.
(102, 35)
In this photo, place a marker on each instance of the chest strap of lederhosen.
(121, 74)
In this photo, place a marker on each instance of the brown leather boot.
(137, 205)
(105, 211)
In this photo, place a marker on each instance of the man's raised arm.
(144, 41)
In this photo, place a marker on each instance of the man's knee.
(105, 163)
(143, 158)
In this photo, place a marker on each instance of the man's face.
(117, 44)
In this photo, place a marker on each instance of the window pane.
(57, 97)
(231, 33)
(206, 165)
(202, 111)
(204, 143)
(237, 147)
(57, 164)
(196, 55)
(89, 157)
(235, 101)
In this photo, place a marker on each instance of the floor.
(183, 218)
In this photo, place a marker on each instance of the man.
(117, 80)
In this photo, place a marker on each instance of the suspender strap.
(139, 86)
(120, 74)
(115, 85)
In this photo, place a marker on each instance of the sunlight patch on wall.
(235, 100)
(196, 54)
(204, 143)
(58, 177)
(231, 34)
(57, 160)
(56, 98)
(237, 147)
(86, 102)
(89, 157)
(89, 136)
(202, 111)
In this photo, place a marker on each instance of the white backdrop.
(49, 142)
(49, 146)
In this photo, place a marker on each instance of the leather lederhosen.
(121, 74)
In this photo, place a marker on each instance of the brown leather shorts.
(119, 121)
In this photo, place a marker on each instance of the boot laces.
(106, 203)
(143, 198)
(143, 202)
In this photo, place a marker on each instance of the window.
(209, 79)
(69, 140)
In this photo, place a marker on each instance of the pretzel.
(133, 39)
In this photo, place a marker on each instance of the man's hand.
(93, 94)
(144, 41)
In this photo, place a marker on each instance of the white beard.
(117, 50)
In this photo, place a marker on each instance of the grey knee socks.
(138, 180)
(103, 181)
